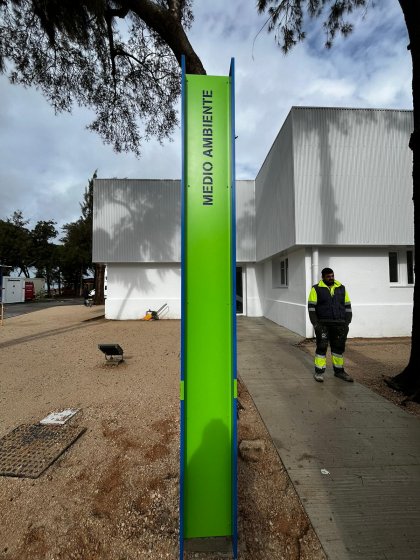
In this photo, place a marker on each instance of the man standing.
(330, 313)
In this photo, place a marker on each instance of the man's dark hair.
(325, 271)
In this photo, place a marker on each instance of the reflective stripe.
(338, 361)
(320, 361)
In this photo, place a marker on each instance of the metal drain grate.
(28, 450)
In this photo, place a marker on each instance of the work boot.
(343, 375)
(319, 376)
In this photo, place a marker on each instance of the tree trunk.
(167, 24)
(99, 284)
(408, 381)
(80, 285)
(48, 279)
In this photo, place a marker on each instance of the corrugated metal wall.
(332, 177)
(352, 172)
(245, 221)
(274, 202)
(139, 220)
(136, 221)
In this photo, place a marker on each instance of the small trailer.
(13, 290)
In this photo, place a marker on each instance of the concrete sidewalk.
(368, 505)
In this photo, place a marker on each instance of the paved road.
(15, 309)
(353, 457)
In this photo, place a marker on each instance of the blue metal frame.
(234, 349)
(182, 401)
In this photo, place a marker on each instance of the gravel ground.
(113, 495)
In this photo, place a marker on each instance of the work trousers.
(336, 336)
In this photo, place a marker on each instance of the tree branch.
(108, 20)
(175, 8)
(167, 25)
(115, 12)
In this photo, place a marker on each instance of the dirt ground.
(113, 495)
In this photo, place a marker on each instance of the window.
(280, 272)
(401, 267)
(284, 265)
(393, 266)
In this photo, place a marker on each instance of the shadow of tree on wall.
(141, 223)
(144, 219)
(350, 151)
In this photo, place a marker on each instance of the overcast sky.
(46, 160)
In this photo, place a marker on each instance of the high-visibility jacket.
(329, 304)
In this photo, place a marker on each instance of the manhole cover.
(31, 448)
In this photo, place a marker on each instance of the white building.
(334, 190)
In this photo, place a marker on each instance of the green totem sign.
(208, 357)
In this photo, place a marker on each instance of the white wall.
(275, 224)
(135, 288)
(252, 286)
(379, 308)
(286, 306)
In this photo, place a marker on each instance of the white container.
(13, 290)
